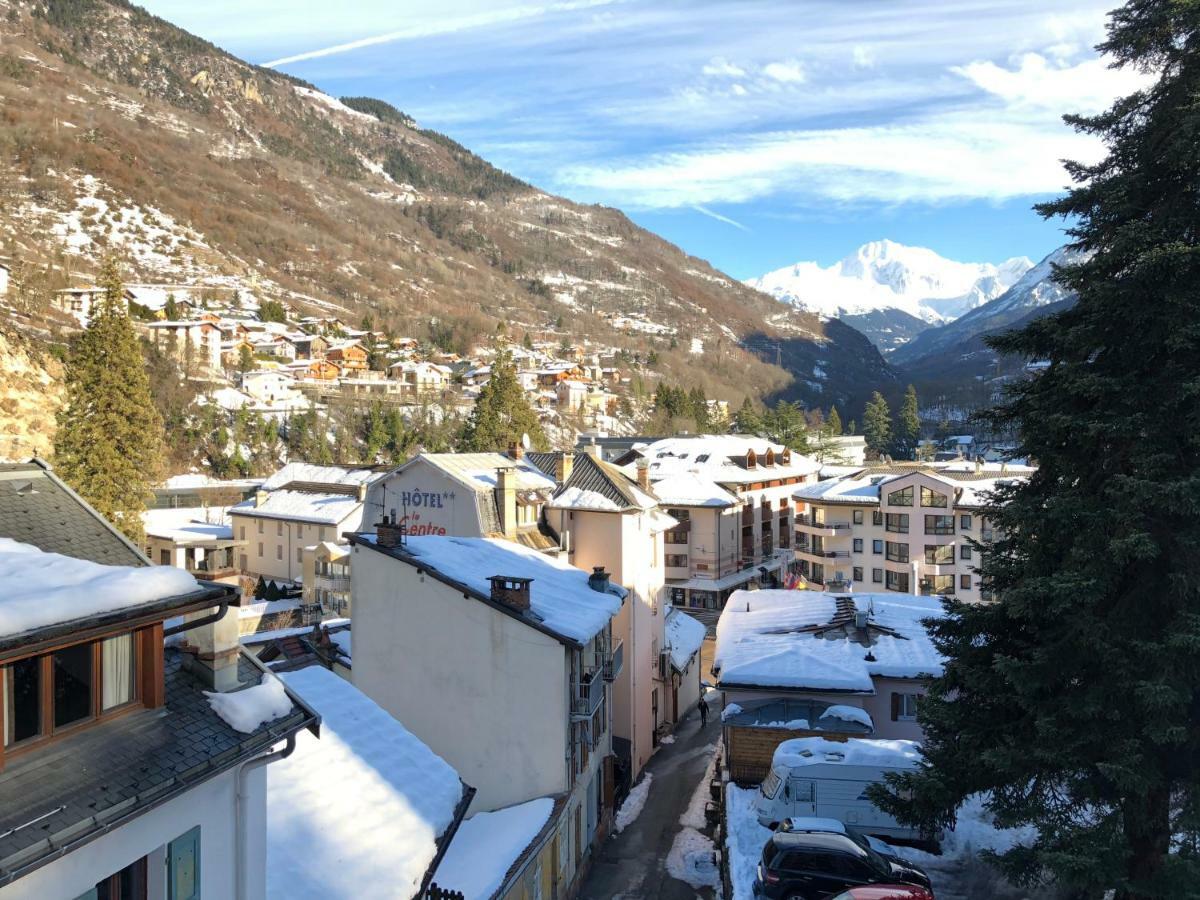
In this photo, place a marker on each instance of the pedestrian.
(703, 713)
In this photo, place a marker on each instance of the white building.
(499, 659)
(421, 379)
(155, 781)
(196, 539)
(195, 341)
(270, 387)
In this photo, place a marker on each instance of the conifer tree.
(1075, 700)
(877, 425)
(109, 444)
(747, 420)
(908, 428)
(834, 423)
(501, 414)
(852, 428)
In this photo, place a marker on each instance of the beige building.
(732, 498)
(196, 342)
(904, 527)
(326, 578)
(421, 379)
(299, 506)
(198, 539)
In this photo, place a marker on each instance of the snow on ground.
(693, 860)
(693, 816)
(334, 104)
(744, 840)
(487, 844)
(42, 589)
(632, 807)
(667, 739)
(250, 707)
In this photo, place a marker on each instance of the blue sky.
(752, 134)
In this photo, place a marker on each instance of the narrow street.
(633, 864)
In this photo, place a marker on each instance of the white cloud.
(788, 71)
(722, 68)
(739, 90)
(862, 57)
(1037, 83)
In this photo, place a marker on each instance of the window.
(964, 523)
(930, 497)
(964, 552)
(279, 551)
(877, 547)
(857, 516)
(857, 573)
(904, 707)
(937, 584)
(279, 529)
(877, 576)
(299, 554)
(299, 531)
(116, 671)
(260, 526)
(241, 532)
(260, 549)
(939, 524)
(22, 700)
(128, 884)
(858, 545)
(72, 673)
(876, 517)
(897, 552)
(164, 557)
(898, 522)
(939, 554)
(964, 582)
(897, 581)
(902, 497)
(676, 560)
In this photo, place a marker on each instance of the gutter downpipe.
(240, 798)
(222, 608)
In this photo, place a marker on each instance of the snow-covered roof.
(320, 475)
(691, 489)
(788, 640)
(684, 637)
(970, 481)
(44, 589)
(185, 525)
(200, 480)
(359, 813)
(559, 596)
(721, 458)
(478, 470)
(812, 751)
(486, 845)
(303, 506)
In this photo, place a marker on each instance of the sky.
(753, 134)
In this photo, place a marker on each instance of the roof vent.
(861, 618)
(24, 487)
(598, 580)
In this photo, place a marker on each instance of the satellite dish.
(525, 440)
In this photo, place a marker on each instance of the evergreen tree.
(245, 359)
(171, 308)
(834, 422)
(501, 414)
(109, 444)
(747, 420)
(877, 425)
(698, 408)
(908, 429)
(852, 428)
(1075, 700)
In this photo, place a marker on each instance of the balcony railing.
(588, 695)
(614, 663)
(676, 536)
(333, 582)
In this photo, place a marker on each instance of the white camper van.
(815, 777)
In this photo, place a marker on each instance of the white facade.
(269, 387)
(197, 341)
(210, 806)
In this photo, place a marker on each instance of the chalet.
(421, 379)
(269, 387)
(309, 346)
(127, 765)
(78, 302)
(315, 370)
(350, 356)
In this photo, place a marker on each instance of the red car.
(886, 892)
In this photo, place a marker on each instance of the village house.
(309, 346)
(607, 521)
(78, 302)
(326, 578)
(732, 497)
(350, 356)
(198, 540)
(128, 768)
(421, 379)
(193, 341)
(499, 658)
(297, 507)
(269, 387)
(905, 527)
(800, 663)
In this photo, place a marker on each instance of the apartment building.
(732, 498)
(500, 659)
(299, 506)
(904, 527)
(119, 777)
(194, 342)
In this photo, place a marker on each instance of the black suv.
(816, 858)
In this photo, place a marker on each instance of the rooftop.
(488, 845)
(808, 641)
(477, 471)
(561, 601)
(326, 475)
(811, 751)
(362, 813)
(188, 525)
(970, 482)
(724, 458)
(305, 506)
(684, 637)
(82, 786)
(597, 485)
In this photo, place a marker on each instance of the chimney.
(592, 449)
(361, 493)
(260, 497)
(563, 464)
(511, 591)
(516, 450)
(389, 534)
(506, 499)
(643, 473)
(213, 649)
(598, 580)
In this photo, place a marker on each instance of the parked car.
(816, 859)
(886, 892)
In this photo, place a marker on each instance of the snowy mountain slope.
(887, 275)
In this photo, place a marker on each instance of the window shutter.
(183, 867)
(895, 706)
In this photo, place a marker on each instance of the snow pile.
(356, 814)
(578, 498)
(730, 711)
(632, 807)
(559, 593)
(692, 859)
(43, 589)
(813, 751)
(314, 474)
(343, 641)
(487, 844)
(693, 816)
(761, 641)
(247, 709)
(744, 840)
(688, 489)
(720, 458)
(320, 509)
(684, 636)
(188, 524)
(849, 714)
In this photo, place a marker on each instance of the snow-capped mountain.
(886, 275)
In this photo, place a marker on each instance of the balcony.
(332, 582)
(676, 536)
(588, 695)
(825, 529)
(612, 666)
